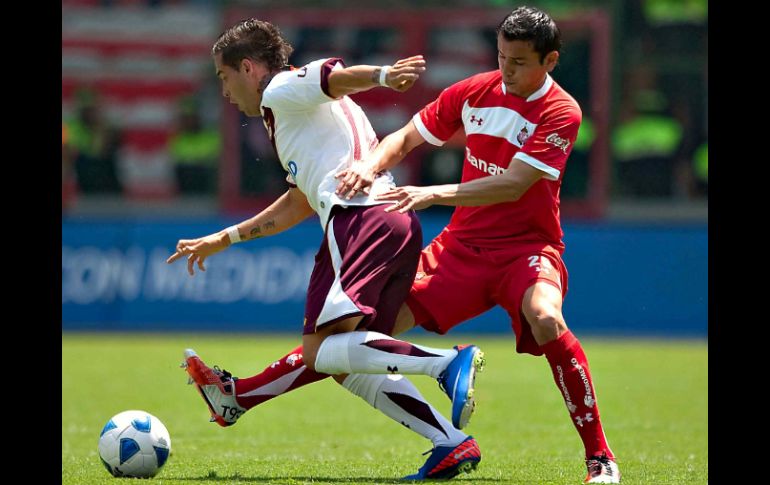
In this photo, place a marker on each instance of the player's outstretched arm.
(354, 79)
(287, 211)
(506, 187)
(389, 153)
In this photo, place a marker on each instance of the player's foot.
(457, 382)
(602, 470)
(450, 461)
(217, 387)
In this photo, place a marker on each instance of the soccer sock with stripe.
(376, 353)
(284, 375)
(569, 366)
(397, 398)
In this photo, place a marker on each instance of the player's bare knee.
(549, 321)
(547, 325)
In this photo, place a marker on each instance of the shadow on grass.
(313, 479)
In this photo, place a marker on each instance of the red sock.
(284, 375)
(570, 371)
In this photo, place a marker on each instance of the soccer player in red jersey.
(503, 244)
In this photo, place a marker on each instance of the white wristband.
(384, 70)
(235, 237)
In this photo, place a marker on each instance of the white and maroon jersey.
(539, 130)
(316, 135)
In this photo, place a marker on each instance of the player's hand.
(405, 72)
(356, 178)
(197, 250)
(407, 197)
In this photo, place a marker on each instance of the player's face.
(523, 74)
(242, 87)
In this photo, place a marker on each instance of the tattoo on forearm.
(376, 75)
(269, 225)
(256, 233)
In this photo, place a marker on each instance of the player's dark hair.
(254, 39)
(531, 24)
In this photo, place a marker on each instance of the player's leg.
(345, 352)
(454, 452)
(540, 328)
(394, 395)
(368, 249)
(541, 306)
(397, 398)
(283, 375)
(290, 372)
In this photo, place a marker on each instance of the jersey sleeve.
(548, 148)
(439, 120)
(303, 88)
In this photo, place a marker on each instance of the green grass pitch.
(653, 395)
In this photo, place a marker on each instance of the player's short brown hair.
(254, 39)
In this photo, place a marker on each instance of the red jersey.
(539, 130)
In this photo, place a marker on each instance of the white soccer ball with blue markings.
(134, 444)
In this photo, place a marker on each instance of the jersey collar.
(540, 92)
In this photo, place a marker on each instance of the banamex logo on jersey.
(483, 165)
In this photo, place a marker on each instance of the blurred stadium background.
(151, 154)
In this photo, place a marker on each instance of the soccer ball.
(134, 444)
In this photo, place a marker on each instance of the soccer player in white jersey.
(367, 261)
(503, 244)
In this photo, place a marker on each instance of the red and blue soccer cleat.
(216, 386)
(457, 381)
(449, 461)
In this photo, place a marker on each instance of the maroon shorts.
(365, 266)
(455, 283)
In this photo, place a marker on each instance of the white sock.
(376, 353)
(397, 398)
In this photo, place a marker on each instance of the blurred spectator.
(648, 140)
(91, 146)
(701, 169)
(665, 12)
(68, 182)
(194, 151)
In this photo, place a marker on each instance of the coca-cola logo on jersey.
(558, 142)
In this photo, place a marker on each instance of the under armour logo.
(588, 418)
(393, 370)
(406, 425)
(479, 121)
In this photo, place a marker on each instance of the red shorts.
(455, 283)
